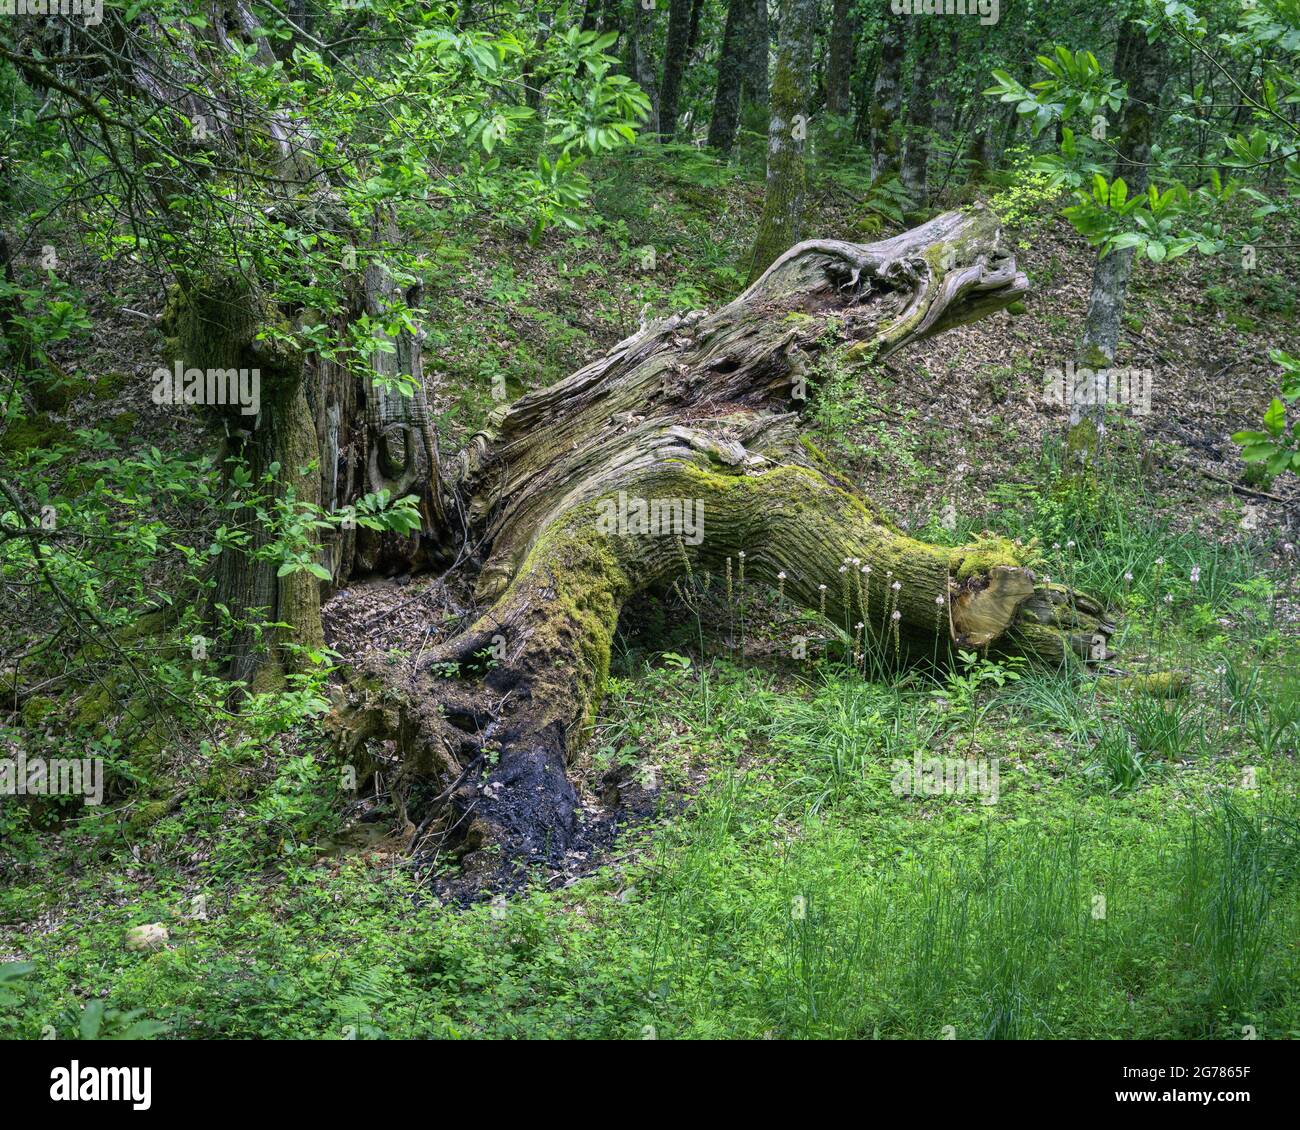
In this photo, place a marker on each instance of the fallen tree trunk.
(679, 452)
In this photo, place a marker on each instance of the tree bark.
(697, 10)
(675, 51)
(731, 64)
(866, 85)
(610, 16)
(943, 97)
(698, 410)
(321, 438)
(1140, 65)
(886, 101)
(640, 46)
(780, 222)
(839, 68)
(920, 114)
(757, 43)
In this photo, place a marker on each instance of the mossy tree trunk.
(222, 326)
(698, 411)
(324, 436)
(780, 223)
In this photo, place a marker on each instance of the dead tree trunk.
(572, 490)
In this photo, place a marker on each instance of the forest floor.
(1132, 873)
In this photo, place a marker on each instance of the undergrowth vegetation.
(1136, 877)
(823, 840)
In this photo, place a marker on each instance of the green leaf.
(1275, 418)
(1255, 452)
(92, 1017)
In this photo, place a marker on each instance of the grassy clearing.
(800, 896)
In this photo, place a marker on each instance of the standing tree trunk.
(578, 496)
(217, 327)
(866, 84)
(321, 438)
(886, 101)
(943, 98)
(920, 114)
(757, 45)
(697, 10)
(609, 16)
(640, 44)
(675, 52)
(532, 82)
(839, 69)
(980, 153)
(1140, 66)
(731, 64)
(779, 225)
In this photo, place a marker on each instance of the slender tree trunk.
(731, 64)
(697, 10)
(886, 100)
(640, 43)
(920, 115)
(980, 155)
(1140, 65)
(944, 100)
(779, 225)
(675, 53)
(867, 84)
(532, 81)
(839, 70)
(1010, 125)
(757, 42)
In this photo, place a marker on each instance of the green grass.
(799, 896)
